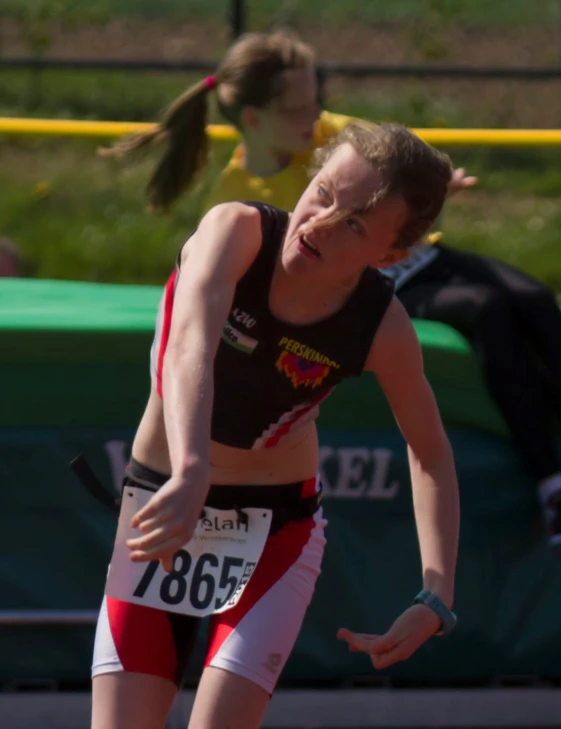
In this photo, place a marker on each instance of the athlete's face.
(346, 183)
(287, 123)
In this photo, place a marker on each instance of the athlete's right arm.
(215, 258)
(213, 262)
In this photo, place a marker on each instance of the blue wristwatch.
(448, 618)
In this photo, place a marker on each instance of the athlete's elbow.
(187, 356)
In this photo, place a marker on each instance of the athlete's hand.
(460, 182)
(167, 522)
(413, 627)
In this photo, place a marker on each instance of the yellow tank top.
(283, 189)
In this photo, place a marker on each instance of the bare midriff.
(294, 458)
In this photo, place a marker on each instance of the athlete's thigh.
(127, 700)
(134, 638)
(139, 658)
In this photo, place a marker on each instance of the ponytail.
(183, 129)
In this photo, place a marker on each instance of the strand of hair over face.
(408, 166)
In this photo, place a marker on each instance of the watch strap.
(432, 601)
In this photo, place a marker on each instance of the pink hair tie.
(210, 82)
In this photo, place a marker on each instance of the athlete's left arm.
(396, 359)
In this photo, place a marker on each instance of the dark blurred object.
(237, 18)
(10, 259)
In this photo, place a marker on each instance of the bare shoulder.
(232, 213)
(228, 237)
(395, 346)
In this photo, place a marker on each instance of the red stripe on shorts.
(281, 551)
(143, 638)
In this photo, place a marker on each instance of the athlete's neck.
(293, 299)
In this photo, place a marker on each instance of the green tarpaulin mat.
(74, 361)
(78, 354)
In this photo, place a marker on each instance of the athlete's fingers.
(355, 641)
(400, 652)
(152, 509)
(167, 563)
(366, 643)
(152, 540)
(459, 181)
(381, 643)
(148, 525)
(162, 551)
(169, 524)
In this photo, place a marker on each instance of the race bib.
(209, 573)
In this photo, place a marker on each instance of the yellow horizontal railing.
(222, 132)
(71, 128)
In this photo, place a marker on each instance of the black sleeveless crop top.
(271, 376)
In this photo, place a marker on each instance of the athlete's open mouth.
(309, 247)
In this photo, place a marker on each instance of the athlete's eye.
(354, 225)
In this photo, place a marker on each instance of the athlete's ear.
(393, 256)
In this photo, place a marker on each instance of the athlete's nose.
(314, 233)
(317, 221)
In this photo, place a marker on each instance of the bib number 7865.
(209, 573)
(202, 584)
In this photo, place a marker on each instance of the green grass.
(84, 95)
(262, 12)
(79, 216)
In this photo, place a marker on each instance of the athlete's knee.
(226, 700)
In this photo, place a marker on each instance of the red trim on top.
(166, 326)
(285, 427)
(309, 487)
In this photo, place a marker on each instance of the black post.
(237, 18)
